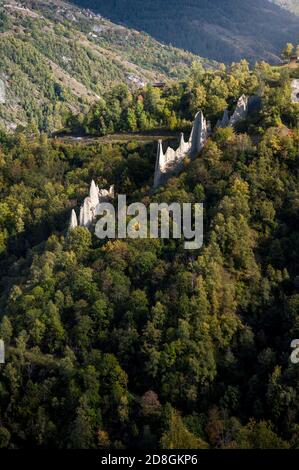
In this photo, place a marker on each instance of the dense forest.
(140, 343)
(224, 30)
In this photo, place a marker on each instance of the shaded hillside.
(55, 57)
(224, 30)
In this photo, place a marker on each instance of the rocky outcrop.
(89, 208)
(224, 121)
(295, 91)
(106, 193)
(73, 221)
(160, 165)
(199, 134)
(86, 213)
(94, 194)
(240, 113)
(172, 160)
(2, 92)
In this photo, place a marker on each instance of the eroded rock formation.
(89, 208)
(74, 220)
(225, 120)
(172, 160)
(240, 113)
(199, 134)
(295, 91)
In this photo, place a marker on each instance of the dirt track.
(122, 138)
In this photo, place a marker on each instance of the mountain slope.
(224, 30)
(55, 57)
(291, 5)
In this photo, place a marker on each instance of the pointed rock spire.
(87, 211)
(111, 191)
(182, 140)
(199, 134)
(160, 164)
(169, 156)
(183, 147)
(172, 159)
(90, 207)
(224, 121)
(94, 194)
(240, 112)
(81, 216)
(73, 221)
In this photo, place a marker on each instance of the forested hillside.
(224, 30)
(56, 59)
(140, 343)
